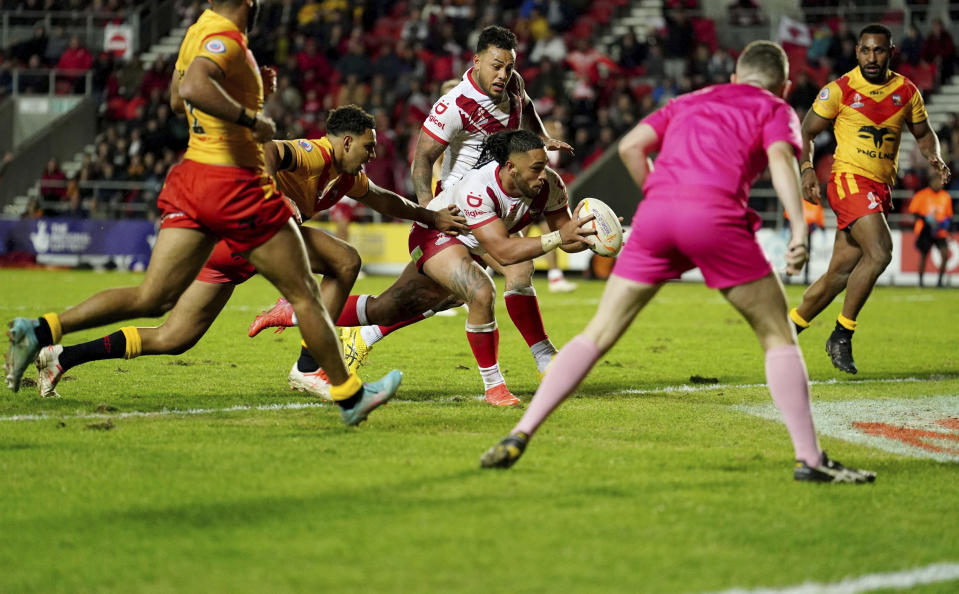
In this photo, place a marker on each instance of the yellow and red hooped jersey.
(868, 121)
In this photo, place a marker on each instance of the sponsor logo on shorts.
(442, 239)
(305, 145)
(873, 201)
(824, 94)
(215, 46)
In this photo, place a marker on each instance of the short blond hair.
(764, 63)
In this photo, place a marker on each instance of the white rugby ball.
(608, 240)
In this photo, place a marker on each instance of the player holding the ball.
(712, 145)
(509, 190)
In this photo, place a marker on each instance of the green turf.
(628, 487)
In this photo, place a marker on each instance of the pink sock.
(387, 330)
(349, 317)
(568, 369)
(523, 309)
(789, 385)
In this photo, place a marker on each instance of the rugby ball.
(608, 240)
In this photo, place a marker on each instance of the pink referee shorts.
(670, 237)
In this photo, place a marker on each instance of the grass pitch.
(636, 484)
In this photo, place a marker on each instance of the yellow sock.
(303, 344)
(134, 345)
(797, 319)
(56, 330)
(846, 322)
(346, 389)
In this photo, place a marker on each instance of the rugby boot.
(499, 395)
(831, 471)
(355, 349)
(375, 394)
(23, 350)
(280, 316)
(49, 371)
(505, 453)
(839, 349)
(312, 382)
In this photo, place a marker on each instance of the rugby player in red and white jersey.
(498, 198)
(491, 97)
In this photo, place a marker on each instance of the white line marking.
(836, 420)
(685, 388)
(166, 412)
(454, 398)
(898, 580)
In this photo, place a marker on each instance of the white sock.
(294, 319)
(543, 351)
(371, 335)
(428, 313)
(555, 274)
(491, 376)
(361, 309)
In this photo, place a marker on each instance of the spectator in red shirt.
(939, 49)
(51, 186)
(76, 60)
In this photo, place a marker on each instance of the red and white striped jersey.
(482, 200)
(462, 118)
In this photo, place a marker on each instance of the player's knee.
(153, 305)
(482, 297)
(348, 264)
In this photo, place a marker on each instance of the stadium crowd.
(392, 57)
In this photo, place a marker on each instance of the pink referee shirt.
(717, 138)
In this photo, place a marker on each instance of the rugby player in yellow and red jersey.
(314, 174)
(220, 191)
(867, 108)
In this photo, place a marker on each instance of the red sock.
(387, 330)
(349, 317)
(485, 347)
(524, 311)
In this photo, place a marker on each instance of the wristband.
(245, 120)
(550, 241)
(806, 166)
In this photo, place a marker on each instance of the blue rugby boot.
(23, 350)
(374, 395)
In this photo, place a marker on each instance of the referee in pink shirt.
(712, 145)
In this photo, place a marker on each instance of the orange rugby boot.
(499, 395)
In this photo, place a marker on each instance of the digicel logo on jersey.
(435, 120)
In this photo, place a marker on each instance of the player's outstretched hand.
(797, 253)
(450, 221)
(556, 145)
(942, 169)
(264, 129)
(268, 74)
(577, 229)
(810, 186)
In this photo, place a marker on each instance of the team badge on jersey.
(824, 94)
(897, 99)
(305, 145)
(857, 101)
(215, 46)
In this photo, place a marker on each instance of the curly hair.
(349, 119)
(495, 36)
(498, 147)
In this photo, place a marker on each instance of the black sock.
(306, 363)
(43, 333)
(112, 346)
(799, 328)
(843, 331)
(351, 401)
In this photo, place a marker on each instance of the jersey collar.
(469, 77)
